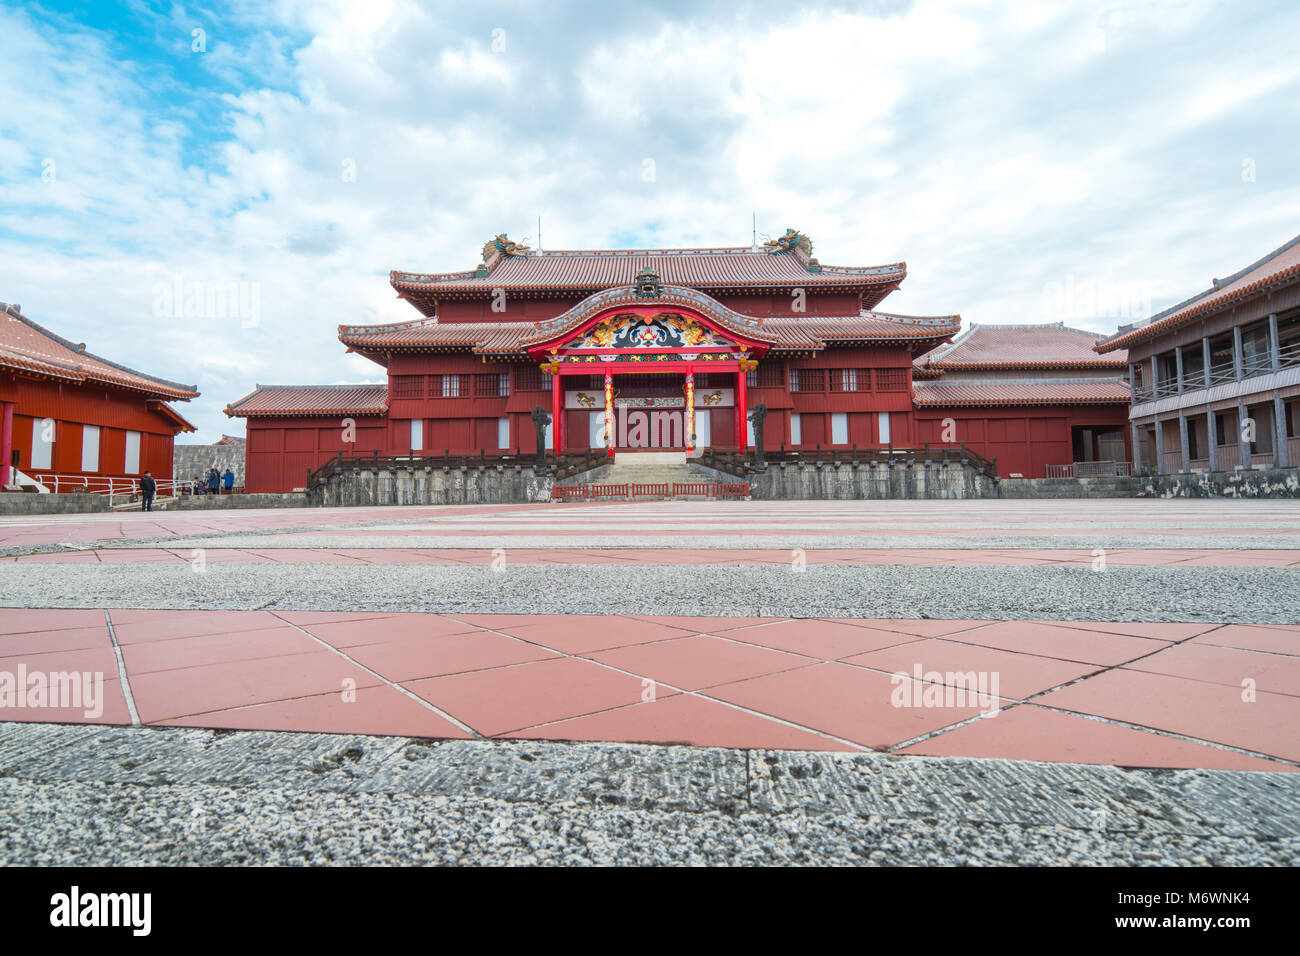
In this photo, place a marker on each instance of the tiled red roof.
(1052, 346)
(167, 411)
(275, 400)
(1065, 392)
(1280, 266)
(28, 347)
(806, 332)
(497, 338)
(816, 331)
(588, 269)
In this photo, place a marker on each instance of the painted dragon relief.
(648, 332)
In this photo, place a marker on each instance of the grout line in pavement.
(123, 680)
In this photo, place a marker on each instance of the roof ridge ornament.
(648, 285)
(789, 241)
(502, 245)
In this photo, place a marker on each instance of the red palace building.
(668, 348)
(73, 421)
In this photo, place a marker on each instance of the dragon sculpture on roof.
(505, 246)
(789, 241)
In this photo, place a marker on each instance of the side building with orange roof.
(71, 420)
(1216, 378)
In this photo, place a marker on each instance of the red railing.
(703, 489)
(691, 488)
(559, 492)
(738, 490)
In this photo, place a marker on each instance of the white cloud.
(999, 149)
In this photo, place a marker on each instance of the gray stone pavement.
(1222, 595)
(106, 795)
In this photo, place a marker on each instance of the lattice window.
(451, 386)
(408, 386)
(715, 380)
(490, 386)
(503, 384)
(530, 378)
(891, 379)
(850, 380)
(807, 379)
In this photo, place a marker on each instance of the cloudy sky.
(1088, 162)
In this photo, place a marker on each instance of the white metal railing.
(1090, 469)
(110, 485)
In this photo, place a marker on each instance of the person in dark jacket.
(214, 482)
(147, 489)
(228, 481)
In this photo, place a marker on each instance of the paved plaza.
(1135, 637)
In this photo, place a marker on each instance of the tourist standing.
(147, 489)
(228, 480)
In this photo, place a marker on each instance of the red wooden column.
(609, 414)
(6, 441)
(689, 421)
(557, 412)
(742, 407)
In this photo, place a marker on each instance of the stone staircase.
(646, 474)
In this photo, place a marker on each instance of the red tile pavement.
(690, 663)
(40, 620)
(1275, 673)
(412, 658)
(166, 695)
(1192, 708)
(1019, 675)
(149, 656)
(583, 633)
(66, 710)
(1272, 640)
(378, 630)
(947, 557)
(917, 627)
(828, 640)
(1028, 732)
(843, 701)
(747, 682)
(1063, 642)
(48, 642)
(1164, 631)
(370, 710)
(190, 624)
(682, 719)
(513, 698)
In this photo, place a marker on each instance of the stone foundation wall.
(1270, 483)
(850, 480)
(32, 503)
(218, 502)
(469, 485)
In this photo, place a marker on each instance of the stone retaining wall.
(32, 503)
(464, 485)
(218, 502)
(1269, 483)
(849, 480)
